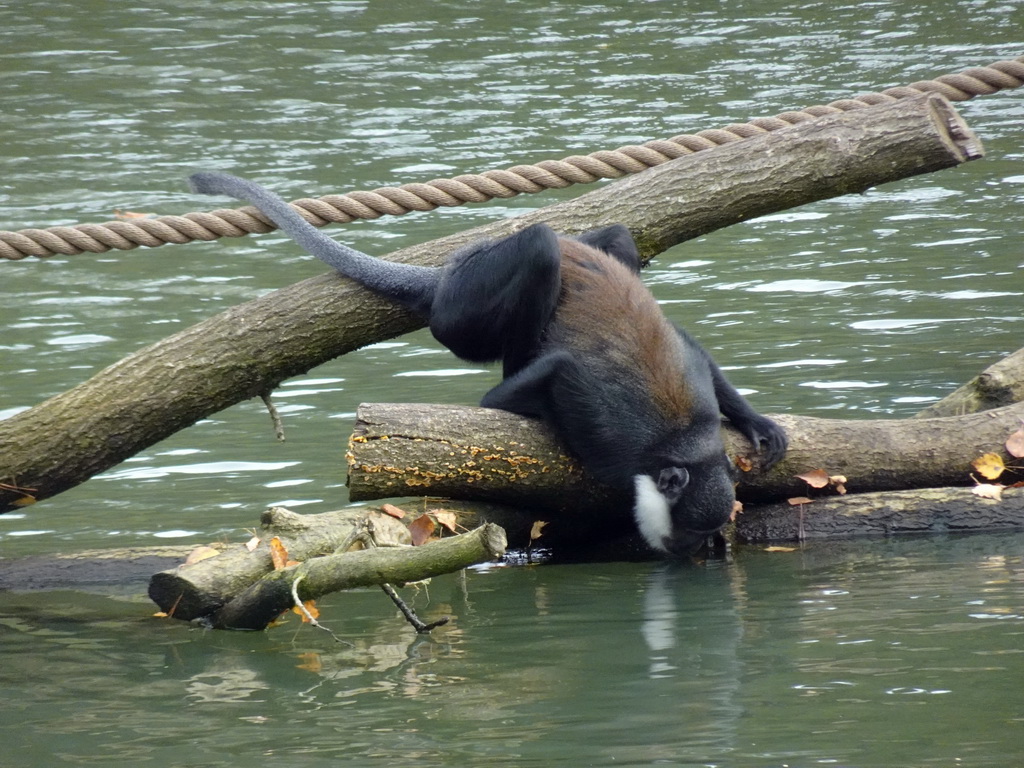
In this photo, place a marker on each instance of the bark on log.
(248, 350)
(998, 385)
(488, 455)
(928, 510)
(190, 591)
(269, 597)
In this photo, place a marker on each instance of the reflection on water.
(865, 654)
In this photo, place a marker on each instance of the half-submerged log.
(925, 510)
(198, 589)
(248, 350)
(240, 588)
(275, 593)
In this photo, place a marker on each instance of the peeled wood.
(488, 455)
(926, 510)
(265, 600)
(198, 589)
(248, 350)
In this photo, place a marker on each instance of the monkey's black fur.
(584, 346)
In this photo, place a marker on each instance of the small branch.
(275, 417)
(310, 619)
(410, 614)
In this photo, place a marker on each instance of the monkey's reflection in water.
(693, 632)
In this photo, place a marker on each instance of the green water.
(864, 654)
(871, 653)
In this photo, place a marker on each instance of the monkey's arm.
(617, 242)
(767, 436)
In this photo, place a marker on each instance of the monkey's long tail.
(411, 285)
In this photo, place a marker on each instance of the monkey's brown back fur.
(598, 291)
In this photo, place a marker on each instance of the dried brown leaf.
(1015, 444)
(278, 554)
(421, 529)
(311, 610)
(445, 517)
(391, 509)
(816, 478)
(743, 463)
(201, 553)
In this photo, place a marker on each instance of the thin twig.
(309, 617)
(410, 614)
(275, 417)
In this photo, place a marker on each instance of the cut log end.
(961, 141)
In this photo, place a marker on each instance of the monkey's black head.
(678, 506)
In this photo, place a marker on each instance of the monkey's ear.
(617, 242)
(671, 483)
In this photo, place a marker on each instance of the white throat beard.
(651, 513)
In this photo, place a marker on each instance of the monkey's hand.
(767, 437)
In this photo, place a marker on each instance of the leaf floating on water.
(780, 549)
(310, 613)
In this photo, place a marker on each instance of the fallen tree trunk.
(998, 385)
(489, 455)
(199, 589)
(248, 350)
(273, 594)
(926, 510)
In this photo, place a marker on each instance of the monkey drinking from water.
(584, 347)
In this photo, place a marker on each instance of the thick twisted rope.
(475, 188)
